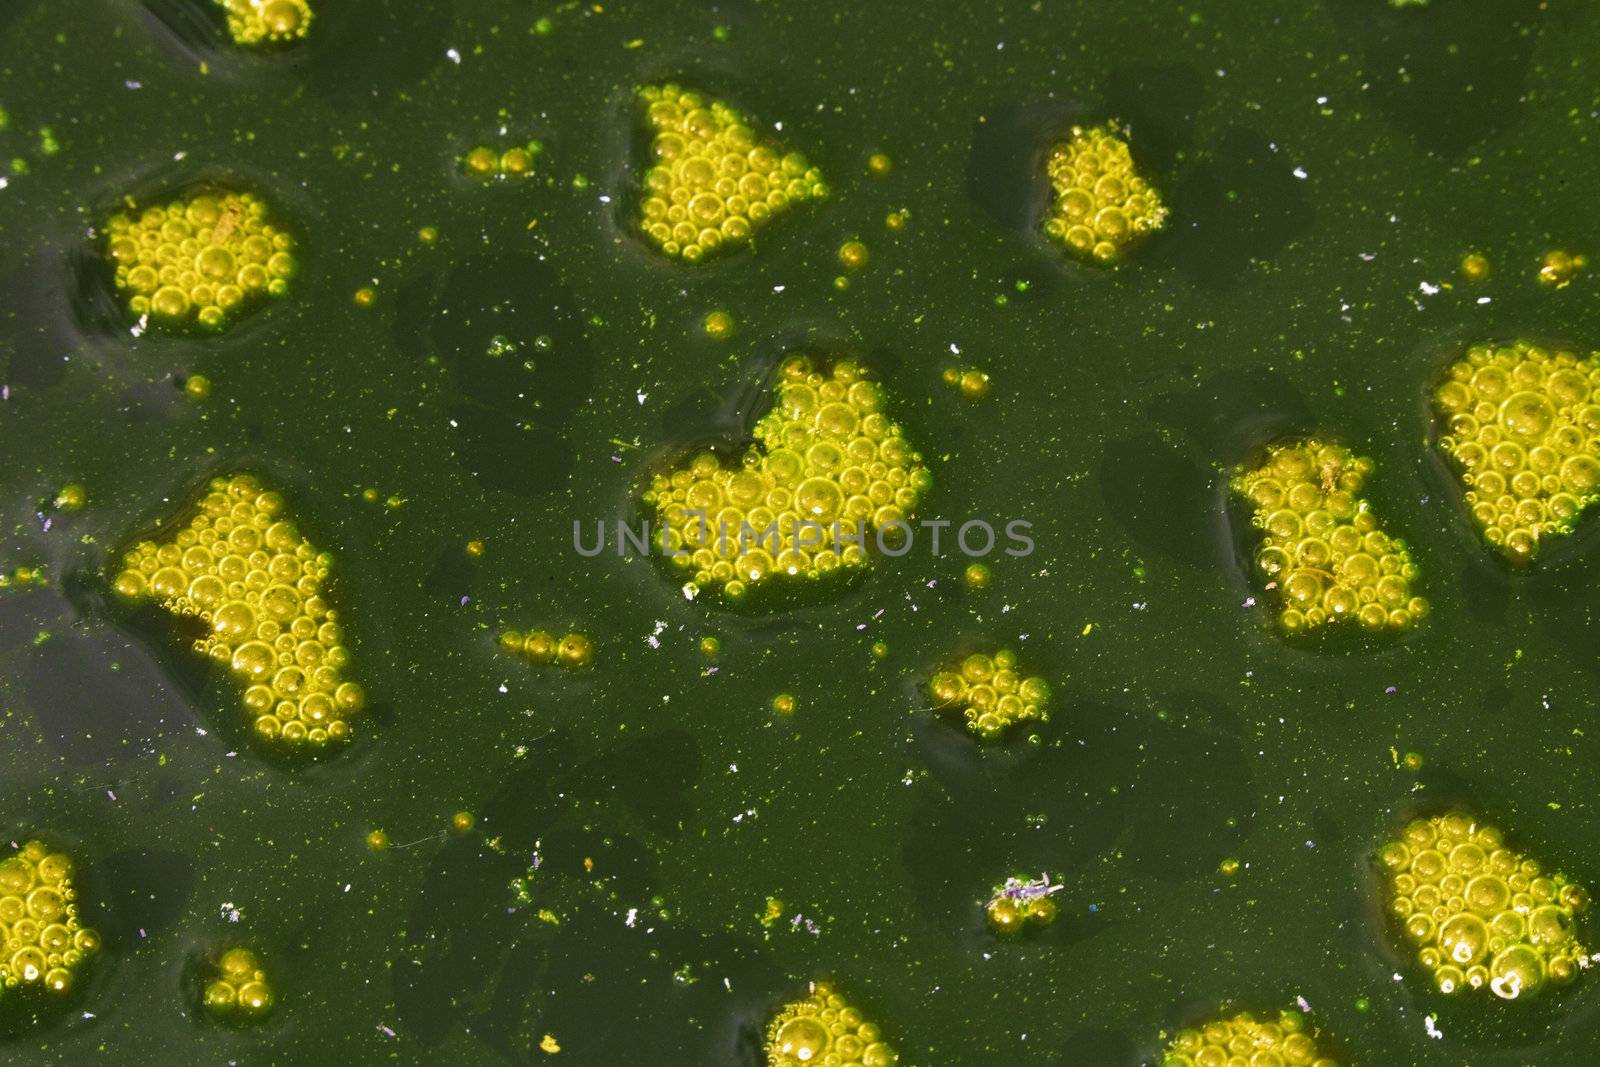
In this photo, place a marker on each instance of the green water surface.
(1327, 165)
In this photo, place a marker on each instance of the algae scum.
(763, 533)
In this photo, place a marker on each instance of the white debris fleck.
(633, 917)
(1300, 172)
(641, 394)
(1428, 287)
(453, 56)
(1433, 1031)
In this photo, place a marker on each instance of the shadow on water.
(512, 336)
(1446, 75)
(474, 960)
(367, 53)
(1237, 205)
(1161, 498)
(1170, 792)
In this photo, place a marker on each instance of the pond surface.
(1326, 165)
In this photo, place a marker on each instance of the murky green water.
(1327, 166)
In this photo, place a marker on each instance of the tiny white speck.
(1483, 300)
(453, 55)
(641, 395)
(1428, 288)
(1299, 172)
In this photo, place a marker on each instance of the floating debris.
(1482, 915)
(713, 182)
(1523, 430)
(244, 570)
(1102, 206)
(1020, 902)
(1324, 551)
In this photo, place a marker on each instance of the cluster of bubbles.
(1523, 427)
(245, 571)
(44, 945)
(822, 1029)
(992, 695)
(827, 464)
(1483, 916)
(712, 182)
(240, 991)
(540, 647)
(1245, 1041)
(1559, 267)
(1323, 549)
(267, 22)
(202, 257)
(515, 162)
(1101, 205)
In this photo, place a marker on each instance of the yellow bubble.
(365, 297)
(574, 651)
(713, 183)
(1227, 1042)
(823, 1028)
(262, 23)
(1473, 907)
(257, 622)
(196, 259)
(977, 576)
(1522, 441)
(1303, 495)
(718, 325)
(974, 384)
(71, 497)
(784, 704)
(806, 496)
(481, 160)
(853, 255)
(44, 944)
(377, 840)
(462, 822)
(1559, 268)
(1101, 205)
(989, 694)
(879, 164)
(1474, 267)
